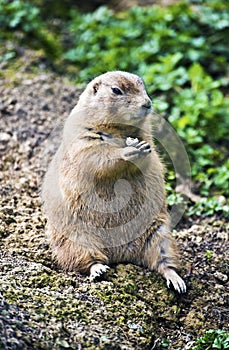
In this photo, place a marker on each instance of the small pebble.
(220, 276)
(4, 137)
(130, 141)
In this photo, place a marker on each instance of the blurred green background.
(180, 48)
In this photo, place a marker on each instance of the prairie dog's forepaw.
(135, 149)
(97, 270)
(177, 282)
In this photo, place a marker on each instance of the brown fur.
(92, 158)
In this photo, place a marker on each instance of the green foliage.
(20, 21)
(164, 343)
(209, 254)
(208, 206)
(212, 339)
(17, 14)
(150, 41)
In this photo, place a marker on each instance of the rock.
(4, 137)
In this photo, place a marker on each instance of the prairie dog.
(103, 193)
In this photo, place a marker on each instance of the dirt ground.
(41, 307)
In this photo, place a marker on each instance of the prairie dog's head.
(115, 97)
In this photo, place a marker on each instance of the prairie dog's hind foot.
(97, 270)
(172, 277)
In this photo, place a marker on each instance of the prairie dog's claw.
(97, 270)
(143, 146)
(177, 282)
(135, 149)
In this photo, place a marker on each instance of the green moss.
(49, 296)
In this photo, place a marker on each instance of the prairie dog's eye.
(116, 91)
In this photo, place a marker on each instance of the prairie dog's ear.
(96, 87)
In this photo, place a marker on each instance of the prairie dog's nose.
(147, 104)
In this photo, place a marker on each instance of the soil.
(42, 307)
